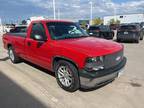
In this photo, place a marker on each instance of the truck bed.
(18, 34)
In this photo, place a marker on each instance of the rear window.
(102, 28)
(128, 27)
(94, 28)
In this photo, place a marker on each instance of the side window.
(38, 29)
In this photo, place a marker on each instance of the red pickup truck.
(64, 48)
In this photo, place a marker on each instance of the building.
(129, 18)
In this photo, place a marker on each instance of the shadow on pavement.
(40, 68)
(4, 59)
(13, 96)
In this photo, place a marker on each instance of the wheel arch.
(57, 58)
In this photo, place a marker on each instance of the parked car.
(130, 32)
(77, 59)
(101, 31)
(8, 27)
(19, 29)
(142, 25)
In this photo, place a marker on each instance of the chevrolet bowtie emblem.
(118, 58)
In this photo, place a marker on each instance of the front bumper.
(98, 78)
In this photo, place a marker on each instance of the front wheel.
(67, 75)
(137, 41)
(141, 38)
(118, 40)
(12, 55)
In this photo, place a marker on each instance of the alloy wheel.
(11, 54)
(64, 76)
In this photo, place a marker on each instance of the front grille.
(112, 60)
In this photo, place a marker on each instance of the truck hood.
(91, 46)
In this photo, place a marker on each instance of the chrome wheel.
(64, 76)
(11, 54)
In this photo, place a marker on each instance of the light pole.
(54, 10)
(58, 13)
(114, 9)
(115, 12)
(91, 11)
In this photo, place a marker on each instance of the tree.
(113, 21)
(83, 24)
(97, 21)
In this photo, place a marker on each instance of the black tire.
(141, 38)
(75, 83)
(15, 58)
(137, 41)
(118, 40)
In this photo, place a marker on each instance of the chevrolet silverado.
(78, 60)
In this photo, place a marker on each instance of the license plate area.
(125, 33)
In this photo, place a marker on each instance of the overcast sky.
(69, 9)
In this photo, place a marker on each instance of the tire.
(67, 75)
(118, 40)
(137, 41)
(12, 55)
(141, 38)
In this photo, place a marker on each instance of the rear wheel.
(141, 38)
(67, 75)
(118, 40)
(12, 55)
(137, 41)
(141, 35)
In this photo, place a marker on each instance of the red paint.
(76, 50)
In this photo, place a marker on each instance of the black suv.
(101, 31)
(130, 32)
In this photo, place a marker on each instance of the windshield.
(65, 30)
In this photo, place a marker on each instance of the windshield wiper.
(69, 37)
(74, 37)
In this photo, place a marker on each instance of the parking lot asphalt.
(24, 85)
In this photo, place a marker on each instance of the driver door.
(38, 48)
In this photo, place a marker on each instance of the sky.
(15, 10)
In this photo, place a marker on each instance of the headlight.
(96, 63)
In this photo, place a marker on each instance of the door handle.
(29, 43)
